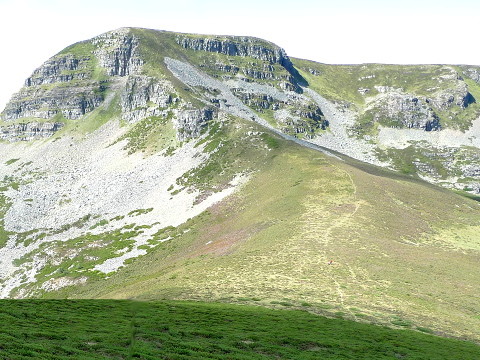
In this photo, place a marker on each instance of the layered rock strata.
(29, 131)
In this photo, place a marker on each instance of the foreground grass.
(104, 329)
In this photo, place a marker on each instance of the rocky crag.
(255, 79)
(251, 78)
(29, 131)
(419, 119)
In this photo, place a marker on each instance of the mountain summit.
(149, 164)
(419, 120)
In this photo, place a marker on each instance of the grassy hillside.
(96, 329)
(341, 82)
(404, 253)
(307, 231)
(344, 84)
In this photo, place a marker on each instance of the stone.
(237, 46)
(473, 73)
(65, 85)
(145, 96)
(458, 96)
(118, 53)
(400, 109)
(72, 102)
(189, 123)
(241, 46)
(60, 69)
(29, 131)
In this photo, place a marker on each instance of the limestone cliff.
(75, 81)
(238, 46)
(189, 123)
(29, 131)
(472, 73)
(269, 55)
(117, 53)
(397, 109)
(145, 96)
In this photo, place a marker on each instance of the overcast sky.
(337, 31)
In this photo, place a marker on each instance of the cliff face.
(145, 96)
(117, 53)
(29, 131)
(238, 46)
(74, 82)
(62, 85)
(189, 123)
(270, 55)
(397, 109)
(62, 69)
(457, 96)
(71, 103)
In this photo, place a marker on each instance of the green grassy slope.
(404, 253)
(341, 83)
(96, 329)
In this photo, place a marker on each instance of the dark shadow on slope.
(469, 99)
(298, 79)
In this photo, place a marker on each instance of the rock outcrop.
(117, 52)
(394, 108)
(268, 53)
(189, 123)
(458, 96)
(72, 102)
(257, 101)
(29, 131)
(238, 46)
(62, 85)
(472, 73)
(297, 124)
(75, 81)
(145, 96)
(61, 69)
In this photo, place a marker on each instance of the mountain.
(421, 119)
(149, 164)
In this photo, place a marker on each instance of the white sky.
(335, 31)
